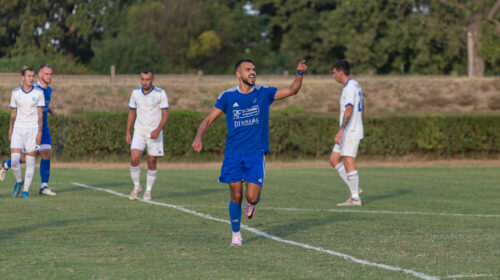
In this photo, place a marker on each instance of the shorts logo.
(260, 180)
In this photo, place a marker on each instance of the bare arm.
(345, 122)
(293, 89)
(205, 124)
(13, 115)
(40, 125)
(164, 118)
(130, 119)
(52, 110)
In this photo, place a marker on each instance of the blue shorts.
(238, 168)
(46, 139)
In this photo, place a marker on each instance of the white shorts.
(154, 146)
(24, 139)
(348, 147)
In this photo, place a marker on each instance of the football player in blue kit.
(247, 119)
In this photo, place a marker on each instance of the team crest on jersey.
(254, 100)
(33, 98)
(152, 100)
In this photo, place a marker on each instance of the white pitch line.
(365, 211)
(275, 238)
(467, 276)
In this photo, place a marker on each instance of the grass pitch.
(411, 219)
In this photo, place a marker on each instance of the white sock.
(353, 181)
(342, 173)
(135, 173)
(30, 170)
(44, 185)
(16, 166)
(150, 180)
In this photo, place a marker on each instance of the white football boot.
(135, 192)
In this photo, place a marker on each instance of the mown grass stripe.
(272, 237)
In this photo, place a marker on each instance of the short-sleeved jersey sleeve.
(164, 100)
(41, 99)
(350, 96)
(271, 92)
(221, 102)
(132, 104)
(13, 104)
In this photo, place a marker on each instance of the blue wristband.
(300, 74)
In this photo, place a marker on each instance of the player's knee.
(45, 154)
(253, 200)
(135, 161)
(236, 197)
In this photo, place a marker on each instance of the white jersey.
(27, 104)
(352, 95)
(149, 107)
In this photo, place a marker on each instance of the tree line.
(455, 37)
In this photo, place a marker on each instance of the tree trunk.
(475, 64)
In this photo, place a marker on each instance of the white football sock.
(150, 180)
(30, 170)
(16, 166)
(342, 173)
(353, 181)
(135, 174)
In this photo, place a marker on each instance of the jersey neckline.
(27, 92)
(152, 89)
(346, 83)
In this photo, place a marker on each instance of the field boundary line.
(467, 276)
(363, 211)
(272, 237)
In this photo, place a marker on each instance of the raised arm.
(205, 124)
(295, 86)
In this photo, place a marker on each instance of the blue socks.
(45, 171)
(9, 162)
(235, 215)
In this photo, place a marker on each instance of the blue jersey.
(47, 92)
(247, 119)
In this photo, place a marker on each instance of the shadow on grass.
(200, 192)
(72, 189)
(285, 230)
(368, 199)
(11, 233)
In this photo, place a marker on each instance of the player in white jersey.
(25, 129)
(350, 133)
(151, 105)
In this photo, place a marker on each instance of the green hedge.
(293, 134)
